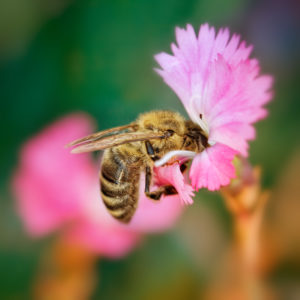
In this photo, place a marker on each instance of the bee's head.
(170, 125)
(194, 138)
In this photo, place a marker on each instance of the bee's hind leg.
(163, 190)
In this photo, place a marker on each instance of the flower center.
(197, 114)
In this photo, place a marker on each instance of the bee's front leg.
(155, 195)
(148, 178)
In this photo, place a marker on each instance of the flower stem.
(246, 202)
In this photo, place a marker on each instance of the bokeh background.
(96, 56)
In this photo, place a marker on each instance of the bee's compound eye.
(170, 132)
(149, 127)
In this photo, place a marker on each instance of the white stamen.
(169, 155)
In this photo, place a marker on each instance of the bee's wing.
(99, 135)
(115, 140)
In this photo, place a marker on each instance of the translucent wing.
(100, 134)
(115, 140)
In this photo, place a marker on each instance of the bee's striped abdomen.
(119, 185)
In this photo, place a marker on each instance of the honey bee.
(134, 148)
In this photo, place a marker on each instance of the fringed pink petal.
(214, 76)
(171, 175)
(213, 167)
(187, 42)
(234, 134)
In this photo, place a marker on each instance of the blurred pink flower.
(222, 91)
(57, 190)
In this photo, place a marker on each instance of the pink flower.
(222, 91)
(171, 175)
(56, 190)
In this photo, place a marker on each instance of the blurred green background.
(60, 56)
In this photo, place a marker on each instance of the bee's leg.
(148, 177)
(150, 151)
(155, 195)
(163, 190)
